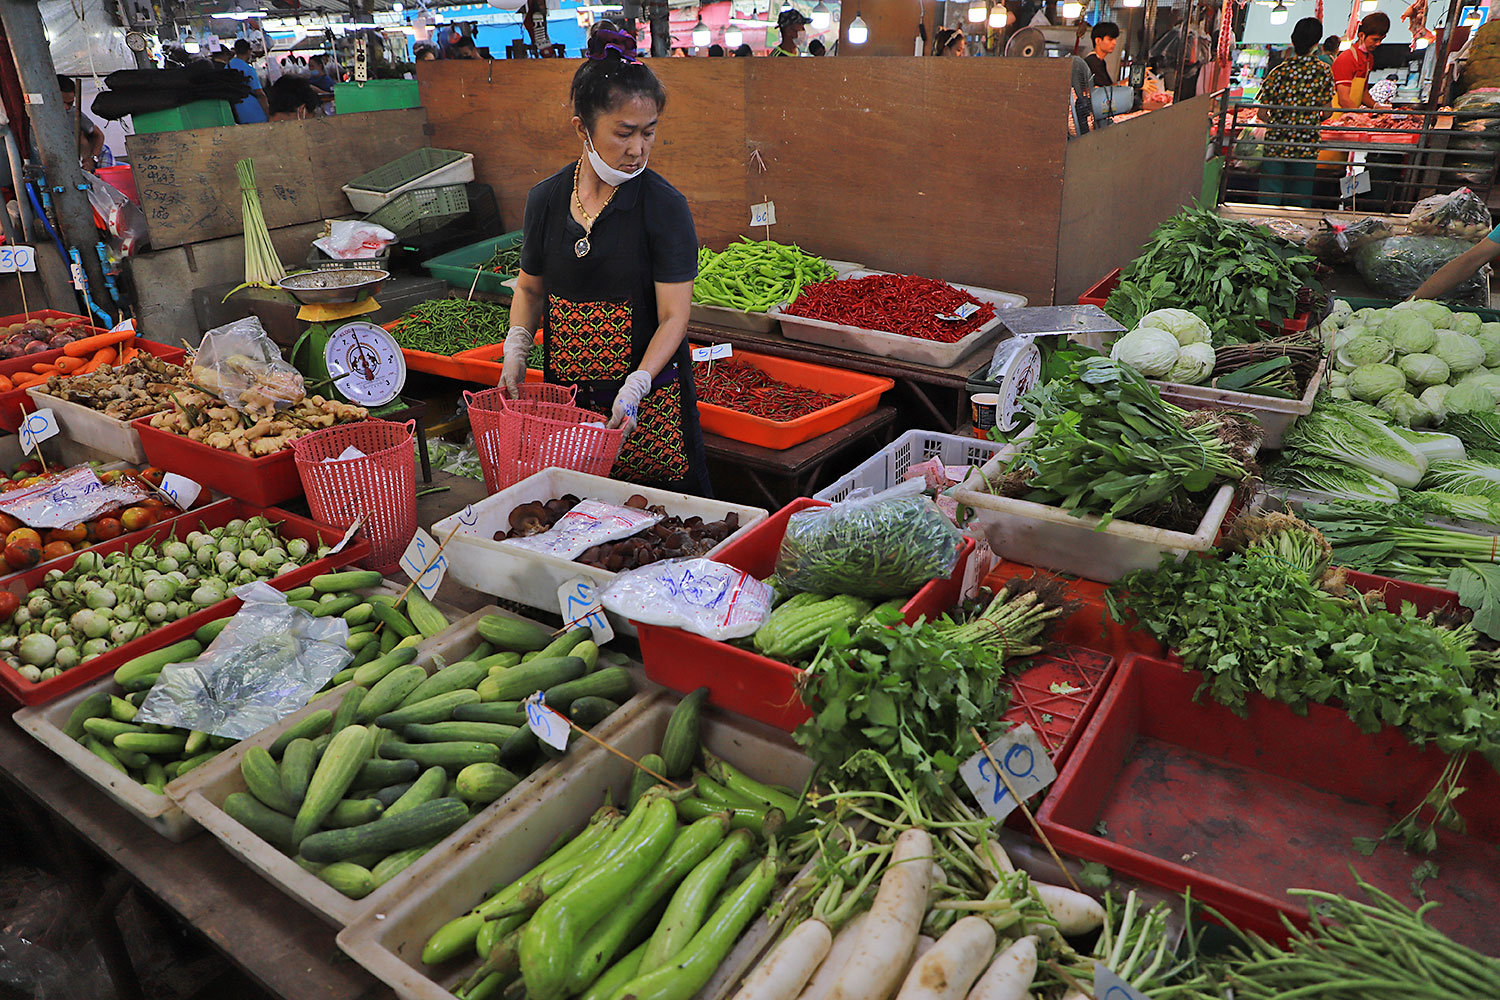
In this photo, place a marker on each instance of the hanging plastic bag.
(1461, 214)
(120, 216)
(696, 595)
(876, 546)
(242, 365)
(1395, 268)
(267, 663)
(1340, 238)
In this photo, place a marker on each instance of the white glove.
(628, 401)
(517, 346)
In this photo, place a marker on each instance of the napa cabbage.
(1466, 476)
(1346, 435)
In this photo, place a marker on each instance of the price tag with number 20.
(1028, 770)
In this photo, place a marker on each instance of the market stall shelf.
(388, 941)
(202, 519)
(863, 392)
(265, 481)
(476, 560)
(206, 802)
(1241, 809)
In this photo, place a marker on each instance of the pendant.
(581, 248)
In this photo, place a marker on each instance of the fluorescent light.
(978, 11)
(1345, 45)
(1368, 5)
(190, 47)
(1422, 43)
(733, 37)
(398, 8)
(998, 16)
(1130, 3)
(1278, 14)
(859, 31)
(701, 34)
(821, 16)
(1072, 9)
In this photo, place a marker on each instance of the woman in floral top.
(1304, 81)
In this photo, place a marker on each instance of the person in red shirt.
(1351, 70)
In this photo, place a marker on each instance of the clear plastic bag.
(122, 218)
(1395, 268)
(1292, 232)
(267, 663)
(696, 595)
(1340, 238)
(590, 523)
(242, 365)
(877, 546)
(1461, 214)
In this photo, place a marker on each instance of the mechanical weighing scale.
(356, 360)
(1017, 362)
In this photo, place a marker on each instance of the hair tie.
(616, 42)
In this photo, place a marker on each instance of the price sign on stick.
(423, 564)
(578, 603)
(1108, 986)
(17, 258)
(763, 214)
(1028, 770)
(37, 427)
(548, 726)
(1354, 184)
(180, 490)
(713, 352)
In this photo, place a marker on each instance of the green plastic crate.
(1357, 303)
(198, 114)
(458, 267)
(421, 210)
(375, 95)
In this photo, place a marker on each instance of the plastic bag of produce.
(878, 546)
(268, 662)
(696, 595)
(1292, 232)
(1461, 214)
(1395, 268)
(240, 364)
(355, 240)
(1339, 238)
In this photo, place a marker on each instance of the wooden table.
(917, 381)
(799, 468)
(273, 939)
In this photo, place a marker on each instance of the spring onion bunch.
(1010, 625)
(262, 266)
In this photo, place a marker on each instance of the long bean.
(447, 326)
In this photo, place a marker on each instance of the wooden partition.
(954, 168)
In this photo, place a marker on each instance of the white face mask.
(607, 173)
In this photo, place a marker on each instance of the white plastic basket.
(888, 466)
(367, 200)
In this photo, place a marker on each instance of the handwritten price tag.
(713, 353)
(1108, 986)
(578, 603)
(180, 490)
(38, 427)
(548, 726)
(1027, 768)
(422, 563)
(1354, 184)
(763, 214)
(17, 258)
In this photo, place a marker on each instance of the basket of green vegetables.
(485, 266)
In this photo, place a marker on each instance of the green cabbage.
(1491, 345)
(1365, 350)
(1466, 322)
(1341, 312)
(1407, 331)
(1424, 369)
(1462, 352)
(1469, 397)
(1372, 382)
(1432, 398)
(1488, 330)
(1341, 392)
(1405, 409)
(1195, 363)
(1466, 476)
(1150, 351)
(1185, 326)
(1347, 334)
(1433, 312)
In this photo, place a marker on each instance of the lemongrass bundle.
(262, 266)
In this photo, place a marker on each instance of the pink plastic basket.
(517, 438)
(381, 484)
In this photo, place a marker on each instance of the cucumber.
(353, 812)
(152, 662)
(613, 683)
(311, 607)
(482, 784)
(451, 678)
(395, 864)
(421, 825)
(500, 662)
(358, 642)
(378, 773)
(389, 691)
(438, 708)
(120, 709)
(156, 777)
(589, 711)
(260, 819)
(208, 633)
(421, 613)
(94, 706)
(520, 682)
(513, 633)
(135, 760)
(104, 753)
(141, 684)
(452, 754)
(348, 707)
(192, 762)
(296, 770)
(337, 607)
(197, 742)
(310, 726)
(388, 795)
(506, 713)
(522, 744)
(359, 615)
(640, 781)
(348, 878)
(564, 644)
(355, 579)
(341, 762)
(394, 621)
(106, 729)
(388, 637)
(301, 594)
(263, 779)
(588, 652)
(442, 732)
(372, 672)
(681, 742)
(426, 788)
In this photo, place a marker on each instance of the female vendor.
(608, 258)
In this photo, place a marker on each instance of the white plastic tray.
(893, 345)
(206, 801)
(450, 881)
(91, 428)
(734, 319)
(1276, 416)
(476, 560)
(460, 171)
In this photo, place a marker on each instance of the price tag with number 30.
(548, 726)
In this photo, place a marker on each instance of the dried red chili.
(894, 303)
(739, 385)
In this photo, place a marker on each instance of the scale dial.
(365, 363)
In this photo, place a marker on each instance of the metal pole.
(1440, 67)
(55, 141)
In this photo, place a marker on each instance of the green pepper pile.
(447, 326)
(755, 275)
(505, 260)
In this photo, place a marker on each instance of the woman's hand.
(628, 401)
(517, 346)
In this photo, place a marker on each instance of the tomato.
(33, 480)
(153, 475)
(74, 535)
(23, 549)
(136, 518)
(31, 467)
(108, 527)
(9, 603)
(9, 524)
(56, 550)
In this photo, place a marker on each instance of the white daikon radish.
(822, 981)
(1010, 974)
(1074, 912)
(994, 858)
(790, 965)
(924, 945)
(950, 968)
(890, 932)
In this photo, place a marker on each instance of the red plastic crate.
(15, 403)
(265, 481)
(1241, 809)
(743, 681)
(1099, 294)
(11, 366)
(1060, 716)
(864, 393)
(213, 516)
(484, 364)
(1086, 622)
(1397, 592)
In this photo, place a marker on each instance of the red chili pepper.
(739, 385)
(894, 303)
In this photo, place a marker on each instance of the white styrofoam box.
(92, 428)
(449, 881)
(887, 467)
(476, 560)
(460, 171)
(894, 345)
(206, 801)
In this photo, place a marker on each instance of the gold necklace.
(582, 247)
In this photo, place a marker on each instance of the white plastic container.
(449, 882)
(887, 467)
(205, 803)
(733, 319)
(91, 428)
(894, 345)
(1276, 416)
(476, 560)
(365, 201)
